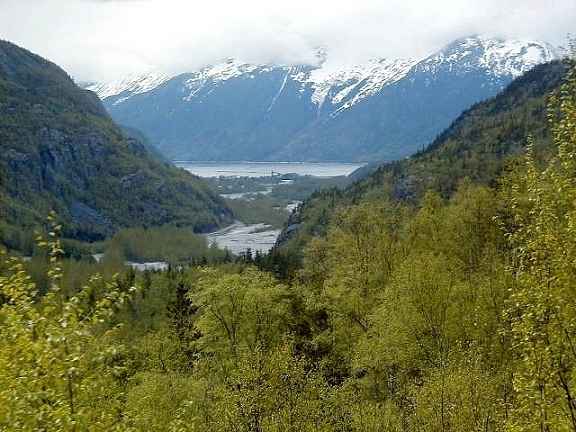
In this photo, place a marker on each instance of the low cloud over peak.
(105, 39)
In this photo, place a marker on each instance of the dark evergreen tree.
(181, 314)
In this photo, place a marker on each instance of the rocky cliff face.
(382, 109)
(59, 150)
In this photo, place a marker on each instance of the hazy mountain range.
(383, 109)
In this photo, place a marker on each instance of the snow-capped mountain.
(131, 85)
(332, 84)
(382, 109)
(500, 58)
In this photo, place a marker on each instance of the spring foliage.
(54, 359)
(457, 314)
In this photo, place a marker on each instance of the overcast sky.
(106, 39)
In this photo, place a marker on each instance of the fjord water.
(265, 169)
(240, 237)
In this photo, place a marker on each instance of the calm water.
(263, 169)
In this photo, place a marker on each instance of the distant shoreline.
(265, 169)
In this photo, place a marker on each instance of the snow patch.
(133, 85)
(279, 93)
(501, 58)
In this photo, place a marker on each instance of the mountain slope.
(476, 146)
(59, 150)
(384, 109)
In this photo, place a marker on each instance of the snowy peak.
(383, 108)
(499, 57)
(131, 85)
(219, 73)
(514, 58)
(340, 87)
(229, 69)
(344, 87)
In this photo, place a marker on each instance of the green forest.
(446, 312)
(61, 151)
(480, 146)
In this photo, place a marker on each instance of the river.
(238, 237)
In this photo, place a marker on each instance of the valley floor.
(240, 237)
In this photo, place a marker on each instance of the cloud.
(105, 39)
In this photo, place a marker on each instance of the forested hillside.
(454, 314)
(60, 151)
(478, 146)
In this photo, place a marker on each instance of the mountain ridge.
(383, 109)
(61, 151)
(322, 77)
